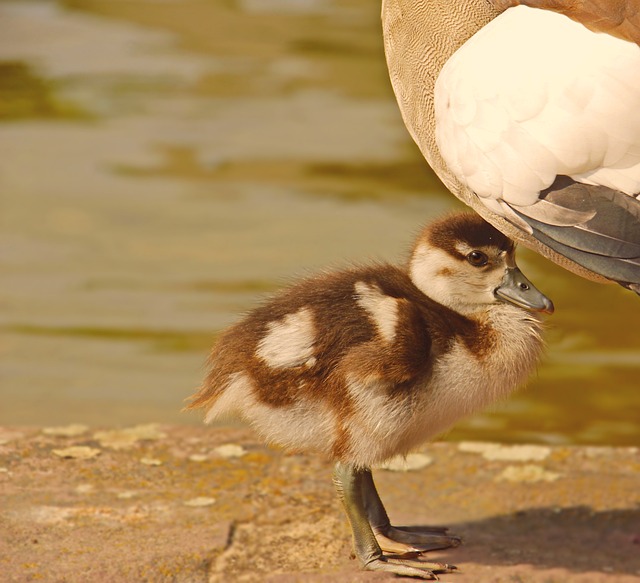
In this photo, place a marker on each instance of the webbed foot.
(408, 568)
(416, 539)
(355, 488)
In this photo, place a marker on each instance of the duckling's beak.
(519, 291)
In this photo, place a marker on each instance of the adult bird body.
(531, 118)
(367, 363)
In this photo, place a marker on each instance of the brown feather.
(619, 18)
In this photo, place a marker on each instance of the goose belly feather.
(534, 95)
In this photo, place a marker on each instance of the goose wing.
(537, 118)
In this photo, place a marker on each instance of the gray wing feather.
(605, 235)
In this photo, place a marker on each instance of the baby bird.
(366, 363)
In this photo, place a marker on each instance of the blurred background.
(164, 164)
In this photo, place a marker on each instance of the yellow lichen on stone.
(413, 461)
(126, 438)
(200, 501)
(147, 461)
(512, 453)
(77, 452)
(229, 450)
(72, 430)
(527, 473)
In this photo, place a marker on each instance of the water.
(166, 164)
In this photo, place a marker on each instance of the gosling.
(367, 363)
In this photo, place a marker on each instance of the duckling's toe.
(419, 539)
(409, 568)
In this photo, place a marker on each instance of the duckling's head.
(464, 263)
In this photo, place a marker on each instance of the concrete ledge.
(168, 504)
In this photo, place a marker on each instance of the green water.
(166, 164)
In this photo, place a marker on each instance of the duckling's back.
(332, 351)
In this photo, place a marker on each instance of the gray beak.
(519, 291)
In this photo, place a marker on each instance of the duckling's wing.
(404, 357)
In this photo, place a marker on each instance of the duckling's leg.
(348, 481)
(400, 539)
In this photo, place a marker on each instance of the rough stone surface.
(274, 516)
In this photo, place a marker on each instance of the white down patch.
(383, 309)
(305, 425)
(289, 341)
(238, 394)
(376, 428)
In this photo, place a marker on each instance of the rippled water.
(164, 164)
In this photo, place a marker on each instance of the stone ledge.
(169, 504)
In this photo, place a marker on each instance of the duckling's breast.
(469, 377)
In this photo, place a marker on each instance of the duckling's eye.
(477, 258)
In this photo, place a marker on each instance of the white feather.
(534, 95)
(382, 309)
(289, 342)
(304, 425)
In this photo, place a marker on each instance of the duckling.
(527, 110)
(367, 363)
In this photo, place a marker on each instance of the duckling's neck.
(518, 345)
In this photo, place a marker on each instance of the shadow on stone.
(576, 538)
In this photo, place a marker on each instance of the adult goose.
(529, 112)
